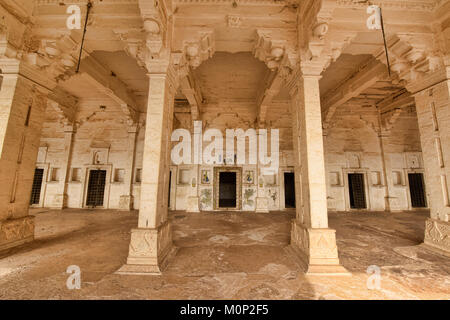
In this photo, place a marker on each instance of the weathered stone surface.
(14, 232)
(224, 256)
(101, 132)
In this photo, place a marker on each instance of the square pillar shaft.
(433, 113)
(62, 196)
(151, 243)
(126, 200)
(311, 239)
(22, 109)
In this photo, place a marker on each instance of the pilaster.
(126, 200)
(62, 196)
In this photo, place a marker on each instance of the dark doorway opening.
(227, 190)
(96, 188)
(356, 190)
(170, 186)
(37, 186)
(417, 190)
(289, 190)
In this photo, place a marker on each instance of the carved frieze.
(437, 233)
(16, 230)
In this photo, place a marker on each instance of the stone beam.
(271, 89)
(397, 100)
(352, 87)
(64, 104)
(419, 5)
(191, 90)
(109, 84)
(18, 10)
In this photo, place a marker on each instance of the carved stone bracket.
(53, 56)
(156, 22)
(437, 235)
(199, 49)
(269, 50)
(412, 56)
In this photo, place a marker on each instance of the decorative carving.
(437, 233)
(100, 155)
(16, 230)
(53, 56)
(143, 243)
(322, 244)
(267, 50)
(155, 24)
(198, 50)
(234, 21)
(412, 56)
(390, 118)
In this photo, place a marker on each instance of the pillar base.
(317, 250)
(192, 204)
(262, 205)
(15, 232)
(437, 236)
(59, 201)
(150, 251)
(126, 203)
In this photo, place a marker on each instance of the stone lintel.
(150, 250)
(317, 250)
(15, 232)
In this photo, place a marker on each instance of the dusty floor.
(223, 256)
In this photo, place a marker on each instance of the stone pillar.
(126, 200)
(262, 202)
(311, 238)
(61, 197)
(432, 95)
(383, 136)
(193, 200)
(151, 243)
(22, 109)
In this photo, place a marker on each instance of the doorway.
(289, 190)
(37, 186)
(227, 190)
(356, 191)
(417, 190)
(96, 188)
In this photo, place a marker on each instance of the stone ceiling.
(233, 73)
(231, 77)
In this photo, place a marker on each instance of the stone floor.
(223, 256)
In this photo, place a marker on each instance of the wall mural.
(249, 199)
(249, 177)
(206, 177)
(206, 202)
(272, 194)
